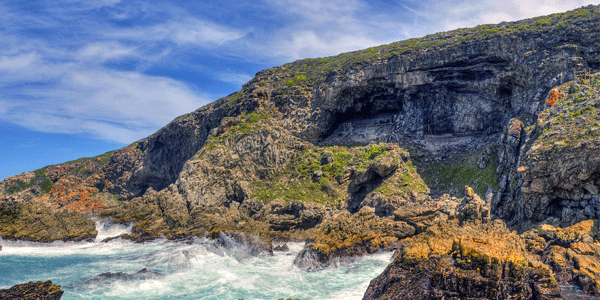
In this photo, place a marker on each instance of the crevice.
(360, 192)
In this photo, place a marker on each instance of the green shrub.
(373, 152)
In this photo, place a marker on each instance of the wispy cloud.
(181, 32)
(105, 51)
(111, 105)
(118, 69)
(235, 78)
(325, 28)
(454, 14)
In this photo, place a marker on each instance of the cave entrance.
(369, 116)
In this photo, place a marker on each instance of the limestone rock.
(573, 254)
(37, 222)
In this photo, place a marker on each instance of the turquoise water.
(196, 270)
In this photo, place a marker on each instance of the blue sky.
(82, 77)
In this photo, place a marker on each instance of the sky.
(79, 78)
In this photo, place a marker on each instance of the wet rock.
(281, 248)
(255, 245)
(33, 291)
(109, 277)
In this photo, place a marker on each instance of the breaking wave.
(194, 269)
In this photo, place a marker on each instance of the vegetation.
(39, 179)
(455, 174)
(573, 119)
(311, 71)
(242, 125)
(322, 175)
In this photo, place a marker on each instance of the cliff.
(359, 151)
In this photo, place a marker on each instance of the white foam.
(107, 229)
(201, 269)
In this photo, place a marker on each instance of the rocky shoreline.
(371, 151)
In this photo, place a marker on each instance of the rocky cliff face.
(359, 151)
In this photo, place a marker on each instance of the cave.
(505, 92)
(372, 107)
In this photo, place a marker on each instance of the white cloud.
(331, 27)
(191, 31)
(17, 62)
(460, 14)
(79, 5)
(105, 51)
(320, 11)
(111, 105)
(310, 44)
(65, 84)
(234, 78)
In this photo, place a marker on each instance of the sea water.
(195, 269)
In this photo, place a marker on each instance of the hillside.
(360, 151)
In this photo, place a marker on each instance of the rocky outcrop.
(346, 236)
(555, 176)
(469, 256)
(310, 150)
(483, 261)
(573, 253)
(33, 291)
(463, 83)
(109, 277)
(33, 221)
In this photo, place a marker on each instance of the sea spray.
(107, 229)
(198, 268)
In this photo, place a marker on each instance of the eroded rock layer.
(371, 150)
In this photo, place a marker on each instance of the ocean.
(196, 269)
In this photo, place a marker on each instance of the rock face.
(463, 83)
(33, 221)
(342, 152)
(573, 253)
(348, 235)
(33, 291)
(549, 170)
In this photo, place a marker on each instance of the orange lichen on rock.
(553, 96)
(71, 193)
(515, 128)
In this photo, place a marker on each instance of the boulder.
(33, 291)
